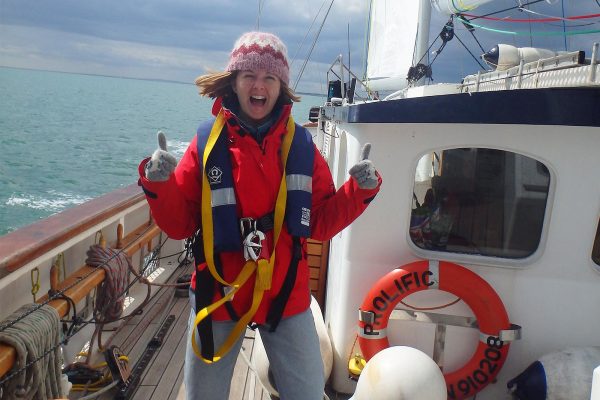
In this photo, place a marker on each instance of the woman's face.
(257, 93)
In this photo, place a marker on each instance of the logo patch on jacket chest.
(214, 175)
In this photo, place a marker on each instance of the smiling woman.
(252, 170)
(257, 92)
(255, 84)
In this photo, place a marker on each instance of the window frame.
(488, 261)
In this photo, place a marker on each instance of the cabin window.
(479, 201)
(596, 248)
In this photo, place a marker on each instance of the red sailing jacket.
(257, 170)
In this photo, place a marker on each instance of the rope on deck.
(111, 293)
(36, 339)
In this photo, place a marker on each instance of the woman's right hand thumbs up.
(364, 171)
(162, 163)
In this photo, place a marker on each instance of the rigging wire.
(367, 39)
(448, 32)
(348, 41)
(419, 70)
(471, 30)
(469, 51)
(563, 23)
(445, 37)
(307, 32)
(530, 28)
(534, 33)
(538, 20)
(511, 8)
(312, 47)
(261, 5)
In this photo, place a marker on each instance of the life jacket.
(226, 224)
(298, 172)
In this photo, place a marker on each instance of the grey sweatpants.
(293, 353)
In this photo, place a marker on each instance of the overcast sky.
(181, 39)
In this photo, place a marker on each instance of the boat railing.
(347, 92)
(563, 70)
(121, 216)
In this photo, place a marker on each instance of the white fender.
(596, 385)
(400, 373)
(505, 56)
(261, 362)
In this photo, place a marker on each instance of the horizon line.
(127, 77)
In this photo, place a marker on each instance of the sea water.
(67, 138)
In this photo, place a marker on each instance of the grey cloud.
(178, 39)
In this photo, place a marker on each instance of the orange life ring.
(491, 315)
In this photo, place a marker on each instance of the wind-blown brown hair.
(220, 84)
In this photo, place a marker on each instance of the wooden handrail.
(134, 241)
(81, 287)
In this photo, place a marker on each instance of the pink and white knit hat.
(260, 50)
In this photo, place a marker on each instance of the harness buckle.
(227, 290)
(253, 245)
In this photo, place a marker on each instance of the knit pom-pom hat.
(260, 50)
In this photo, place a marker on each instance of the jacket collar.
(230, 108)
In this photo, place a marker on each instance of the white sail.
(457, 6)
(399, 30)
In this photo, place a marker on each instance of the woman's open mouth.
(258, 100)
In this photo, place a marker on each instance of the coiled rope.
(111, 292)
(35, 339)
(110, 297)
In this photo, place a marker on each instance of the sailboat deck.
(162, 378)
(157, 338)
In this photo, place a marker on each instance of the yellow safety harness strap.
(263, 267)
(247, 271)
(206, 201)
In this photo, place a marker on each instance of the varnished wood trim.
(317, 258)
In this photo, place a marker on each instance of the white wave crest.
(177, 147)
(53, 201)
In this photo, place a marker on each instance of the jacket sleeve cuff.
(367, 194)
(150, 188)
